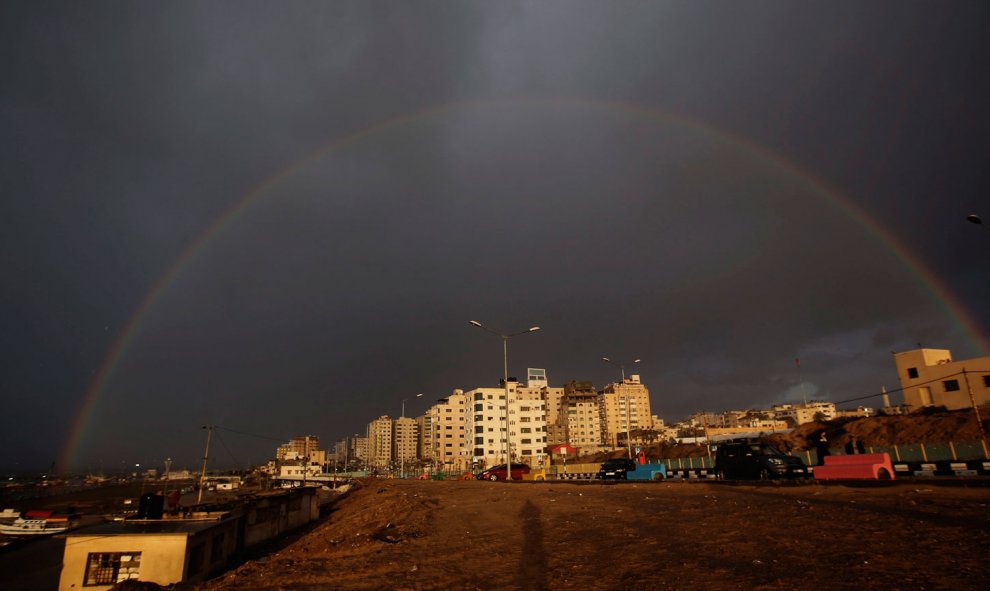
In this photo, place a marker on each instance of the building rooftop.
(177, 526)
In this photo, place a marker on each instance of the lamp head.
(974, 218)
(475, 323)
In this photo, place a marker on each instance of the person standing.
(821, 448)
(855, 446)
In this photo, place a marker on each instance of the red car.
(499, 472)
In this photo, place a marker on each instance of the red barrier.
(856, 466)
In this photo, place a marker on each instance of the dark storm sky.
(631, 176)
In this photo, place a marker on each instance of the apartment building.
(299, 447)
(580, 416)
(930, 377)
(526, 429)
(538, 386)
(359, 448)
(424, 437)
(623, 407)
(380, 443)
(404, 440)
(448, 441)
(800, 413)
(301, 455)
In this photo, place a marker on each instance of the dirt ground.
(391, 534)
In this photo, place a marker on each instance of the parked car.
(616, 469)
(499, 472)
(755, 460)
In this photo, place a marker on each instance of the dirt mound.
(469, 536)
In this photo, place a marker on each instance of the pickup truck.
(624, 469)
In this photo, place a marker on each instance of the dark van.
(755, 460)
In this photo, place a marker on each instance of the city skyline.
(281, 219)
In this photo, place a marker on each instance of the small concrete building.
(162, 551)
(186, 548)
(930, 377)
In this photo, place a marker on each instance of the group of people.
(853, 446)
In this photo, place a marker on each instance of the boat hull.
(25, 528)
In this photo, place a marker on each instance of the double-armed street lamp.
(505, 382)
(622, 370)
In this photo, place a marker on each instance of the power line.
(939, 379)
(237, 462)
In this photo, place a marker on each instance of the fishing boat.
(36, 523)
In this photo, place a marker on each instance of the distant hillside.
(926, 426)
(932, 425)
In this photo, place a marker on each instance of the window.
(951, 385)
(107, 568)
(913, 372)
(986, 381)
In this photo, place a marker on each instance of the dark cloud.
(717, 190)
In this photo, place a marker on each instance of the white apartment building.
(527, 432)
(804, 412)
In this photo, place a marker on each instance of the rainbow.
(941, 295)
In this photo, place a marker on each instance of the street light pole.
(505, 382)
(402, 454)
(622, 371)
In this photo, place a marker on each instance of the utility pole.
(976, 411)
(206, 455)
(305, 459)
(168, 465)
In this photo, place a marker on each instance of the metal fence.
(915, 452)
